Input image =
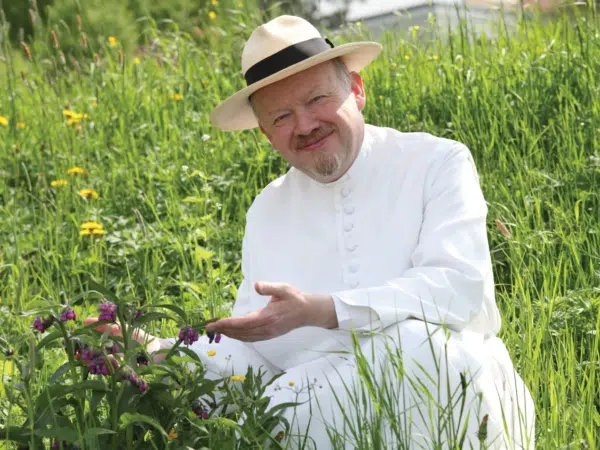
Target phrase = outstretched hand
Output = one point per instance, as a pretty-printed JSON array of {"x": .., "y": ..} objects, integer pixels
[
  {"x": 288, "y": 309},
  {"x": 138, "y": 335}
]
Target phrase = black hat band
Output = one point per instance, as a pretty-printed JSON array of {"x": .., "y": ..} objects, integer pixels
[{"x": 287, "y": 57}]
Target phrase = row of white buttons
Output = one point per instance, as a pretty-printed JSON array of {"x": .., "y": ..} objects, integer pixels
[{"x": 350, "y": 244}]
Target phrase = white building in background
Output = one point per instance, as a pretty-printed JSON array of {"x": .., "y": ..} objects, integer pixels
[{"x": 400, "y": 15}]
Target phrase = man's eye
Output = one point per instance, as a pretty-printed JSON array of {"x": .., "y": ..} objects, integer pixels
[
  {"x": 317, "y": 98},
  {"x": 280, "y": 118}
]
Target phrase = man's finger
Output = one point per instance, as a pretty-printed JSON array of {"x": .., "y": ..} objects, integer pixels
[
  {"x": 267, "y": 288},
  {"x": 247, "y": 322},
  {"x": 115, "y": 330}
]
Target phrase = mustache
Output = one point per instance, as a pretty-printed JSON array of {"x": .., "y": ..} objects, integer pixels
[{"x": 314, "y": 136}]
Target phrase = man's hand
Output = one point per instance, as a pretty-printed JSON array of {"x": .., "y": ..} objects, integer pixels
[
  {"x": 138, "y": 335},
  {"x": 287, "y": 310}
]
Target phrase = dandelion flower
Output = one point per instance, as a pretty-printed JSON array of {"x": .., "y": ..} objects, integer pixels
[
  {"x": 212, "y": 15},
  {"x": 177, "y": 97},
  {"x": 406, "y": 57},
  {"x": 211, "y": 353},
  {"x": 94, "y": 103},
  {"x": 58, "y": 183},
  {"x": 291, "y": 383},
  {"x": 88, "y": 194},
  {"x": 21, "y": 125},
  {"x": 4, "y": 120},
  {"x": 91, "y": 228},
  {"x": 435, "y": 57},
  {"x": 137, "y": 60},
  {"x": 112, "y": 41},
  {"x": 214, "y": 2},
  {"x": 77, "y": 171},
  {"x": 238, "y": 378},
  {"x": 172, "y": 434}
]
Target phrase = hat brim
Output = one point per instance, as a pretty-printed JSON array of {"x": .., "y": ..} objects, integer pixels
[{"x": 235, "y": 113}]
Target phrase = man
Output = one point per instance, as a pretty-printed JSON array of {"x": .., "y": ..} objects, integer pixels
[{"x": 375, "y": 233}]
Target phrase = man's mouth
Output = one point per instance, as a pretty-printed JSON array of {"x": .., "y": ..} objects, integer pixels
[{"x": 313, "y": 145}]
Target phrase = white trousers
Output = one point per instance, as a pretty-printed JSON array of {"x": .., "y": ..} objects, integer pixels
[{"x": 413, "y": 386}]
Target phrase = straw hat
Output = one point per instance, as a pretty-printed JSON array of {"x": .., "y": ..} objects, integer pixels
[{"x": 277, "y": 49}]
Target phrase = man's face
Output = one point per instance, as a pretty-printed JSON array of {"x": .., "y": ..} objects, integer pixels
[{"x": 313, "y": 118}]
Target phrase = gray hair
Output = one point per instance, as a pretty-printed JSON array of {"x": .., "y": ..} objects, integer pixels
[{"x": 341, "y": 70}]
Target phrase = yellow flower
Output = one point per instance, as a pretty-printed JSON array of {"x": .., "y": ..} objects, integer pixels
[
  {"x": 58, "y": 183},
  {"x": 94, "y": 103},
  {"x": 88, "y": 193},
  {"x": 173, "y": 434},
  {"x": 91, "y": 225},
  {"x": 211, "y": 353},
  {"x": 177, "y": 97},
  {"x": 3, "y": 120},
  {"x": 406, "y": 57},
  {"x": 238, "y": 378},
  {"x": 21, "y": 125},
  {"x": 291, "y": 383},
  {"x": 137, "y": 60},
  {"x": 214, "y": 2},
  {"x": 91, "y": 228},
  {"x": 212, "y": 15},
  {"x": 74, "y": 118},
  {"x": 85, "y": 233},
  {"x": 77, "y": 171},
  {"x": 435, "y": 57},
  {"x": 112, "y": 41}
]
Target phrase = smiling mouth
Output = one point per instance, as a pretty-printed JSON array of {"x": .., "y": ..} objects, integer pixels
[{"x": 316, "y": 144}]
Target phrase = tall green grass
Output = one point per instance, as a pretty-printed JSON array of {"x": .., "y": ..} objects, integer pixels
[{"x": 173, "y": 191}]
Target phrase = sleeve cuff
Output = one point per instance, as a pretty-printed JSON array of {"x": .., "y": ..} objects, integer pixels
[{"x": 351, "y": 316}]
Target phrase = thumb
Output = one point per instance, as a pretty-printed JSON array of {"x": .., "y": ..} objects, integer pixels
[
  {"x": 266, "y": 288},
  {"x": 90, "y": 320}
]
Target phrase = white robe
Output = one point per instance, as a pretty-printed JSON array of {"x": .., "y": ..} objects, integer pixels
[{"x": 400, "y": 243}]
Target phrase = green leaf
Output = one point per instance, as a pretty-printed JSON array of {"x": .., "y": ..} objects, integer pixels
[
  {"x": 49, "y": 338},
  {"x": 176, "y": 309},
  {"x": 93, "y": 432},
  {"x": 193, "y": 199},
  {"x": 149, "y": 317},
  {"x": 201, "y": 254},
  {"x": 128, "y": 419},
  {"x": 62, "y": 370},
  {"x": 102, "y": 290},
  {"x": 68, "y": 434}
]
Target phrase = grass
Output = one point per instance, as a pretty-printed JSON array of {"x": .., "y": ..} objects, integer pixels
[{"x": 173, "y": 191}]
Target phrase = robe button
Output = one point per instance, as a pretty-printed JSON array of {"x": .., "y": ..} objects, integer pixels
[
  {"x": 351, "y": 247},
  {"x": 354, "y": 284},
  {"x": 348, "y": 210},
  {"x": 346, "y": 191},
  {"x": 354, "y": 267},
  {"x": 348, "y": 227}
]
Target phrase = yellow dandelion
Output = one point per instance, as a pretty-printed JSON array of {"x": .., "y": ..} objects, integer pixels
[
  {"x": 137, "y": 60},
  {"x": 94, "y": 103},
  {"x": 77, "y": 171},
  {"x": 358, "y": 24},
  {"x": 177, "y": 97},
  {"x": 211, "y": 353},
  {"x": 72, "y": 121},
  {"x": 99, "y": 232},
  {"x": 68, "y": 113},
  {"x": 58, "y": 183},
  {"x": 406, "y": 57},
  {"x": 91, "y": 228},
  {"x": 4, "y": 120},
  {"x": 238, "y": 378},
  {"x": 435, "y": 57},
  {"x": 291, "y": 383},
  {"x": 112, "y": 41},
  {"x": 88, "y": 194},
  {"x": 205, "y": 82},
  {"x": 212, "y": 15},
  {"x": 85, "y": 233},
  {"x": 172, "y": 434},
  {"x": 21, "y": 125},
  {"x": 214, "y": 2},
  {"x": 91, "y": 225}
]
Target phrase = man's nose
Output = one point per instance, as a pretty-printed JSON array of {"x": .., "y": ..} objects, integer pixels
[{"x": 306, "y": 123}]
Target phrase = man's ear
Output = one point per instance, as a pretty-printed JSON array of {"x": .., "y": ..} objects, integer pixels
[{"x": 356, "y": 85}]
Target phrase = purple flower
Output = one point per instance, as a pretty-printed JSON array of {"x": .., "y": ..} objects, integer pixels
[
  {"x": 87, "y": 354},
  {"x": 188, "y": 335},
  {"x": 111, "y": 349},
  {"x": 138, "y": 314},
  {"x": 132, "y": 377},
  {"x": 212, "y": 336},
  {"x": 99, "y": 365},
  {"x": 199, "y": 410},
  {"x": 108, "y": 312},
  {"x": 42, "y": 324},
  {"x": 68, "y": 314}
]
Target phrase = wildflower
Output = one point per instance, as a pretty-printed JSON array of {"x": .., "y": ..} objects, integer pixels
[
  {"x": 137, "y": 60},
  {"x": 112, "y": 349},
  {"x": 74, "y": 118},
  {"x": 4, "y": 120},
  {"x": 199, "y": 410},
  {"x": 406, "y": 57},
  {"x": 212, "y": 15},
  {"x": 188, "y": 335},
  {"x": 94, "y": 103},
  {"x": 238, "y": 377},
  {"x": 214, "y": 2},
  {"x": 88, "y": 194},
  {"x": 87, "y": 354},
  {"x": 205, "y": 137},
  {"x": 68, "y": 314},
  {"x": 112, "y": 41},
  {"x": 211, "y": 353},
  {"x": 212, "y": 336},
  {"x": 42, "y": 324},
  {"x": 58, "y": 183},
  {"x": 172, "y": 434},
  {"x": 21, "y": 125},
  {"x": 99, "y": 366},
  {"x": 291, "y": 383},
  {"x": 133, "y": 379},
  {"x": 91, "y": 229},
  {"x": 108, "y": 312},
  {"x": 77, "y": 171},
  {"x": 177, "y": 97}
]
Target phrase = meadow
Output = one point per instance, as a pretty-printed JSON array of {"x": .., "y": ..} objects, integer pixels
[{"x": 114, "y": 185}]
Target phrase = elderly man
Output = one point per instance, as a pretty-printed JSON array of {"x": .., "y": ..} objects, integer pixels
[{"x": 366, "y": 264}]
